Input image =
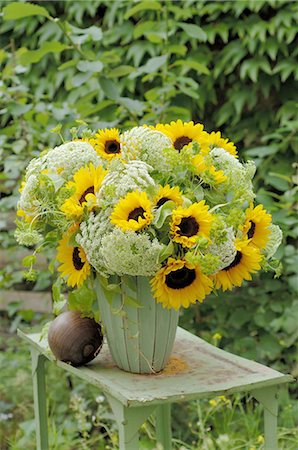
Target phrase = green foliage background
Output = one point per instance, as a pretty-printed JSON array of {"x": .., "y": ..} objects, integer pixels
[{"x": 230, "y": 65}]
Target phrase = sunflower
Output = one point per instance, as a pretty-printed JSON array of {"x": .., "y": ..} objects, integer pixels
[
  {"x": 166, "y": 193},
  {"x": 133, "y": 212},
  {"x": 181, "y": 133},
  {"x": 189, "y": 223},
  {"x": 180, "y": 283},
  {"x": 247, "y": 261},
  {"x": 87, "y": 182},
  {"x": 256, "y": 226},
  {"x": 201, "y": 167},
  {"x": 208, "y": 141},
  {"x": 107, "y": 143},
  {"x": 74, "y": 265}
]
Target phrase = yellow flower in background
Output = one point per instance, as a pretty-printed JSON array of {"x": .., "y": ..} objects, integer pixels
[
  {"x": 166, "y": 193},
  {"x": 107, "y": 143},
  {"x": 74, "y": 265},
  {"x": 181, "y": 133},
  {"x": 26, "y": 217},
  {"x": 212, "y": 140},
  {"x": 86, "y": 184},
  {"x": 246, "y": 262},
  {"x": 133, "y": 212},
  {"x": 180, "y": 283},
  {"x": 256, "y": 226},
  {"x": 189, "y": 223},
  {"x": 201, "y": 168}
]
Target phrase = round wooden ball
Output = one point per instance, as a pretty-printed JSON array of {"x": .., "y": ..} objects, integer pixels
[{"x": 75, "y": 339}]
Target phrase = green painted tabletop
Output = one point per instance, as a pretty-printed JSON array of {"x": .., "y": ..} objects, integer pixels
[{"x": 196, "y": 369}]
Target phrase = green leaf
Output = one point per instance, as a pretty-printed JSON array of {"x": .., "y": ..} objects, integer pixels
[
  {"x": 90, "y": 66},
  {"x": 134, "y": 106},
  {"x": 81, "y": 299},
  {"x": 17, "y": 10},
  {"x": 166, "y": 252},
  {"x": 143, "y": 27},
  {"x": 33, "y": 56},
  {"x": 200, "y": 68},
  {"x": 28, "y": 261},
  {"x": 131, "y": 301},
  {"x": 153, "y": 64},
  {"x": 193, "y": 31},
  {"x": 121, "y": 71},
  {"x": 163, "y": 212},
  {"x": 110, "y": 88},
  {"x": 80, "y": 79},
  {"x": 262, "y": 151},
  {"x": 142, "y": 6}
]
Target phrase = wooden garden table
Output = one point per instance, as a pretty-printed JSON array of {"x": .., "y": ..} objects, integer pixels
[{"x": 196, "y": 370}]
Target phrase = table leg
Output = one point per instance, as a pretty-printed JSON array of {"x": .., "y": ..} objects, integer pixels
[
  {"x": 163, "y": 425},
  {"x": 269, "y": 399},
  {"x": 39, "y": 394},
  {"x": 129, "y": 421}
]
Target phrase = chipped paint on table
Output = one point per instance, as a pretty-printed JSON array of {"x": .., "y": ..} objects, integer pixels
[{"x": 196, "y": 369}]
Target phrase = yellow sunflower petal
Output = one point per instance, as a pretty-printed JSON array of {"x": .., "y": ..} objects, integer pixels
[
  {"x": 181, "y": 133},
  {"x": 107, "y": 143},
  {"x": 86, "y": 182},
  {"x": 74, "y": 265},
  {"x": 133, "y": 212},
  {"x": 256, "y": 226},
  {"x": 246, "y": 262},
  {"x": 188, "y": 224},
  {"x": 180, "y": 283},
  {"x": 166, "y": 193}
]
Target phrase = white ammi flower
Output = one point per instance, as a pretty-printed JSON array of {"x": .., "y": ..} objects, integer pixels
[
  {"x": 66, "y": 159},
  {"x": 147, "y": 145},
  {"x": 130, "y": 253}
]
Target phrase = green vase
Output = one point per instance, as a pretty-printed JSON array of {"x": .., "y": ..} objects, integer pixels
[{"x": 140, "y": 338}]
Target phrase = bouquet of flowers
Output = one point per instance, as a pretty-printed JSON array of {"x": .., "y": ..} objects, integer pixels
[{"x": 169, "y": 202}]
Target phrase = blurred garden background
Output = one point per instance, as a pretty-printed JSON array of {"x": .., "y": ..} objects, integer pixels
[{"x": 231, "y": 65}]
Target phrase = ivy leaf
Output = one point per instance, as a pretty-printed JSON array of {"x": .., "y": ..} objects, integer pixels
[
  {"x": 17, "y": 10},
  {"x": 166, "y": 252},
  {"x": 134, "y": 106},
  {"x": 81, "y": 299},
  {"x": 131, "y": 301},
  {"x": 29, "y": 261},
  {"x": 34, "y": 56},
  {"x": 142, "y": 6},
  {"x": 162, "y": 213},
  {"x": 193, "y": 31},
  {"x": 110, "y": 88},
  {"x": 90, "y": 66},
  {"x": 153, "y": 64}
]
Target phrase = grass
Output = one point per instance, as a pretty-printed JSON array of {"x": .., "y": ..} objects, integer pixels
[{"x": 80, "y": 418}]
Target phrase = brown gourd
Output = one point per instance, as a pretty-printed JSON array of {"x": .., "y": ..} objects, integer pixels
[{"x": 75, "y": 339}]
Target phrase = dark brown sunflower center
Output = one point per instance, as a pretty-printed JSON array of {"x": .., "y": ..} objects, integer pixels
[
  {"x": 136, "y": 213},
  {"x": 181, "y": 142},
  {"x": 251, "y": 231},
  {"x": 112, "y": 147},
  {"x": 235, "y": 262},
  {"x": 90, "y": 190},
  {"x": 188, "y": 227},
  {"x": 77, "y": 262},
  {"x": 162, "y": 201},
  {"x": 181, "y": 278}
]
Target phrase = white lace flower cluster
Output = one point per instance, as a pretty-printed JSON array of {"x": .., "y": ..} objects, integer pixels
[
  {"x": 66, "y": 159},
  {"x": 129, "y": 253},
  {"x": 124, "y": 178},
  {"x": 90, "y": 238},
  {"x": 147, "y": 145},
  {"x": 239, "y": 175},
  {"x": 225, "y": 250}
]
